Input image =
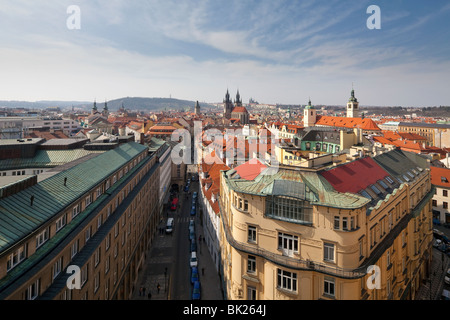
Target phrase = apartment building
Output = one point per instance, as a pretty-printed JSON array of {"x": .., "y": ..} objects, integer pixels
[
  {"x": 19, "y": 127},
  {"x": 82, "y": 233},
  {"x": 296, "y": 233},
  {"x": 440, "y": 178}
]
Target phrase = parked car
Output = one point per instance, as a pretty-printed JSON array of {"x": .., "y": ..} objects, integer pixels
[
  {"x": 193, "y": 211},
  {"x": 191, "y": 234},
  {"x": 194, "y": 275},
  {"x": 193, "y": 245},
  {"x": 196, "y": 291},
  {"x": 174, "y": 204},
  {"x": 194, "y": 196},
  {"x": 193, "y": 261},
  {"x": 191, "y": 225}
]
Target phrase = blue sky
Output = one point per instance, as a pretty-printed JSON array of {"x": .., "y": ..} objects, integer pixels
[{"x": 273, "y": 51}]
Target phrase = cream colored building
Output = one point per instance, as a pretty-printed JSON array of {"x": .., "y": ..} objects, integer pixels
[
  {"x": 96, "y": 219},
  {"x": 306, "y": 234}
]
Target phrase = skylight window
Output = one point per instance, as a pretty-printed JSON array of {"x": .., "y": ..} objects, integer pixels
[
  {"x": 405, "y": 177},
  {"x": 410, "y": 174},
  {"x": 375, "y": 189},
  {"x": 365, "y": 194},
  {"x": 389, "y": 180},
  {"x": 384, "y": 185}
]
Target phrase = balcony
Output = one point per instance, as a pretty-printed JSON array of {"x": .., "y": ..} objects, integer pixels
[{"x": 286, "y": 261}]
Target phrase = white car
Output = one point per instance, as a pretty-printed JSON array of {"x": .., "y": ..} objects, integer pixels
[
  {"x": 447, "y": 277},
  {"x": 193, "y": 260}
]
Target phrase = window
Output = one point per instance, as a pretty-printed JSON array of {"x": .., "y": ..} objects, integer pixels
[
  {"x": 61, "y": 222},
  {"x": 287, "y": 243},
  {"x": 336, "y": 222},
  {"x": 41, "y": 238},
  {"x": 88, "y": 200},
  {"x": 251, "y": 234},
  {"x": 251, "y": 293},
  {"x": 97, "y": 257},
  {"x": 74, "y": 249},
  {"x": 15, "y": 258},
  {"x": 84, "y": 274},
  {"x": 245, "y": 205},
  {"x": 76, "y": 210},
  {"x": 32, "y": 291},
  {"x": 57, "y": 267},
  {"x": 434, "y": 203},
  {"x": 328, "y": 251},
  {"x": 88, "y": 233},
  {"x": 251, "y": 264},
  {"x": 389, "y": 179},
  {"x": 328, "y": 287},
  {"x": 445, "y": 205},
  {"x": 286, "y": 280},
  {"x": 345, "y": 223}
]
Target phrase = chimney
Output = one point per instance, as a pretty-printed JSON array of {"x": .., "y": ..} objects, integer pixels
[
  {"x": 65, "y": 181},
  {"x": 31, "y": 200}
]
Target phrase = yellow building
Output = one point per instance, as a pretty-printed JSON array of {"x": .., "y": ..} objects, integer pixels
[
  {"x": 307, "y": 234},
  {"x": 82, "y": 233}
]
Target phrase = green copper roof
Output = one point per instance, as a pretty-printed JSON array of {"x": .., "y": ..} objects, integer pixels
[
  {"x": 45, "y": 159},
  {"x": 306, "y": 185},
  {"x": 18, "y": 218}
]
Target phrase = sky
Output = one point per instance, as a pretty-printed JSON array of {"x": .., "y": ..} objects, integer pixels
[{"x": 283, "y": 51}]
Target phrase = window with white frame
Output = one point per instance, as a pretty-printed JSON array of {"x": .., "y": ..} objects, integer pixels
[
  {"x": 251, "y": 293},
  {"x": 88, "y": 233},
  {"x": 16, "y": 257},
  {"x": 251, "y": 264},
  {"x": 76, "y": 210},
  {"x": 286, "y": 280},
  {"x": 287, "y": 243},
  {"x": 97, "y": 257},
  {"x": 57, "y": 267},
  {"x": 88, "y": 200},
  {"x": 329, "y": 286},
  {"x": 84, "y": 274},
  {"x": 328, "y": 251},
  {"x": 32, "y": 292},
  {"x": 74, "y": 249},
  {"x": 251, "y": 234},
  {"x": 41, "y": 238},
  {"x": 61, "y": 222}
]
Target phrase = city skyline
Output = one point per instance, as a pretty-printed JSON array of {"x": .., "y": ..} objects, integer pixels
[{"x": 273, "y": 52}]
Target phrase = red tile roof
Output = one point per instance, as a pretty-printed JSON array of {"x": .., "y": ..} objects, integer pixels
[
  {"x": 364, "y": 124},
  {"x": 354, "y": 176},
  {"x": 440, "y": 177},
  {"x": 240, "y": 110},
  {"x": 251, "y": 169}
]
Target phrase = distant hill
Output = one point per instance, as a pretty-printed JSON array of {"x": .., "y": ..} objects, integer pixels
[
  {"x": 151, "y": 104},
  {"x": 129, "y": 103}
]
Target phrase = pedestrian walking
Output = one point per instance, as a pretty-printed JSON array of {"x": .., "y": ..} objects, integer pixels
[
  {"x": 158, "y": 287},
  {"x": 140, "y": 291},
  {"x": 149, "y": 295},
  {"x": 143, "y": 292}
]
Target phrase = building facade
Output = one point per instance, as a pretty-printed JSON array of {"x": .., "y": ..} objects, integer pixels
[
  {"x": 82, "y": 233},
  {"x": 305, "y": 234}
]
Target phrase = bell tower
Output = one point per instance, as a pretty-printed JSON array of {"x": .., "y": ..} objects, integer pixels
[
  {"x": 353, "y": 106},
  {"x": 309, "y": 115}
]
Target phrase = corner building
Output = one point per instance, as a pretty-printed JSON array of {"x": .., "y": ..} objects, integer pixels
[
  {"x": 308, "y": 234},
  {"x": 98, "y": 216}
]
